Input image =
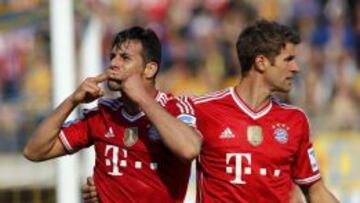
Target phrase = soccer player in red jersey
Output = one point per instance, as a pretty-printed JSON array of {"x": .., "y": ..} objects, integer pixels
[
  {"x": 254, "y": 148},
  {"x": 132, "y": 162}
]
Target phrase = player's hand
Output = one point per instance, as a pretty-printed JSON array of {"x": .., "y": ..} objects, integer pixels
[
  {"x": 88, "y": 191},
  {"x": 89, "y": 90},
  {"x": 131, "y": 84}
]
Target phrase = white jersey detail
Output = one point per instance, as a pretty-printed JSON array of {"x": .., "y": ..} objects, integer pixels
[
  {"x": 249, "y": 112},
  {"x": 65, "y": 142},
  {"x": 114, "y": 104},
  {"x": 130, "y": 117},
  {"x": 184, "y": 105},
  {"x": 210, "y": 97},
  {"x": 308, "y": 180},
  {"x": 291, "y": 107},
  {"x": 162, "y": 98}
]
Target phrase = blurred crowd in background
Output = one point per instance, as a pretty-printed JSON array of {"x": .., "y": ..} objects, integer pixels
[{"x": 198, "y": 38}]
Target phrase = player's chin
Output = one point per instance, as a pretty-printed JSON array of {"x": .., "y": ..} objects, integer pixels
[
  {"x": 287, "y": 86},
  {"x": 284, "y": 88},
  {"x": 114, "y": 85}
]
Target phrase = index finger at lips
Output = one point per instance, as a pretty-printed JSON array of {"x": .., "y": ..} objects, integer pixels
[
  {"x": 101, "y": 77},
  {"x": 111, "y": 74}
]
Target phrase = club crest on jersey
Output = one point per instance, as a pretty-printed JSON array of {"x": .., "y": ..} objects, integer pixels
[
  {"x": 254, "y": 135},
  {"x": 131, "y": 136},
  {"x": 281, "y": 134},
  {"x": 154, "y": 134}
]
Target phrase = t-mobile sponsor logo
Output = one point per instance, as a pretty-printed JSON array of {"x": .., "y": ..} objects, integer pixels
[
  {"x": 242, "y": 167},
  {"x": 239, "y": 158},
  {"x": 117, "y": 158}
]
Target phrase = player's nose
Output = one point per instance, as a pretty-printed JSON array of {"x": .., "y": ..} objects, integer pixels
[{"x": 294, "y": 67}]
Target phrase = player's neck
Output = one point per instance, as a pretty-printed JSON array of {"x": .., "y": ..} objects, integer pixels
[
  {"x": 131, "y": 107},
  {"x": 253, "y": 91}
]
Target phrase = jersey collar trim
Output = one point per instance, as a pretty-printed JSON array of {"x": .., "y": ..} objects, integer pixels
[
  {"x": 245, "y": 108},
  {"x": 133, "y": 118}
]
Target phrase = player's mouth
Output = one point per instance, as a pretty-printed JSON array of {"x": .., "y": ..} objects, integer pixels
[
  {"x": 115, "y": 81},
  {"x": 290, "y": 78}
]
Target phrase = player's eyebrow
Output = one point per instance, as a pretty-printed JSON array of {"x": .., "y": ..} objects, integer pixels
[{"x": 122, "y": 53}]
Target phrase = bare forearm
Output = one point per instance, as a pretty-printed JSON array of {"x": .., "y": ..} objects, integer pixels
[
  {"x": 44, "y": 143},
  {"x": 318, "y": 193},
  {"x": 44, "y": 138},
  {"x": 182, "y": 139},
  {"x": 325, "y": 196}
]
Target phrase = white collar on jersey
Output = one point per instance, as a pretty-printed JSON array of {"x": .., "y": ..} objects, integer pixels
[
  {"x": 133, "y": 118},
  {"x": 245, "y": 108}
]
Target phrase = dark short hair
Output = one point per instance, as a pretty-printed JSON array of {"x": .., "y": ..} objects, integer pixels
[
  {"x": 263, "y": 38},
  {"x": 148, "y": 39}
]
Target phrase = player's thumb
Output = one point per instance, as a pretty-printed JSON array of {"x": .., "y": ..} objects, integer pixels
[{"x": 90, "y": 181}]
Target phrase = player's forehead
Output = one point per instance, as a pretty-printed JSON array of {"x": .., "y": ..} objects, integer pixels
[
  {"x": 288, "y": 50},
  {"x": 129, "y": 46}
]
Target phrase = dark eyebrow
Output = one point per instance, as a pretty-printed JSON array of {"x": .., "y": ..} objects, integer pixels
[{"x": 124, "y": 55}]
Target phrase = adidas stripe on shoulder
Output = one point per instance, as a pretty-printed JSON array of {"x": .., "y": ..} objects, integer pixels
[
  {"x": 163, "y": 98},
  {"x": 184, "y": 105}
]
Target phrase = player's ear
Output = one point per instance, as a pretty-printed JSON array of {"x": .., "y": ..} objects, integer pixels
[
  {"x": 261, "y": 62},
  {"x": 151, "y": 69}
]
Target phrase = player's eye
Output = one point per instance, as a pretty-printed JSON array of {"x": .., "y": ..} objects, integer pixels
[
  {"x": 289, "y": 58},
  {"x": 125, "y": 56}
]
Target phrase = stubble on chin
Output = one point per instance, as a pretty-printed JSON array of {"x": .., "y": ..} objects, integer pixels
[
  {"x": 285, "y": 89},
  {"x": 282, "y": 89},
  {"x": 114, "y": 85}
]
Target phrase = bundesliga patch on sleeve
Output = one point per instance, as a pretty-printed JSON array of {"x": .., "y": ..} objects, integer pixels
[
  {"x": 313, "y": 162},
  {"x": 188, "y": 119}
]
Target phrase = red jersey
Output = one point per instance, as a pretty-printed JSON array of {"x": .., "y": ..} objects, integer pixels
[
  {"x": 251, "y": 156},
  {"x": 132, "y": 163}
]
